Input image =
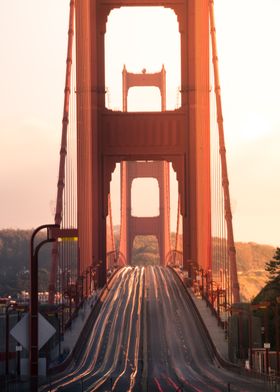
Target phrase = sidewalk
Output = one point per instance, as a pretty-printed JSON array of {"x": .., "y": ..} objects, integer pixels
[
  {"x": 72, "y": 333},
  {"x": 216, "y": 332}
]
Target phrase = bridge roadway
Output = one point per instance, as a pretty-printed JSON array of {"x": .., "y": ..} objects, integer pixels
[{"x": 147, "y": 337}]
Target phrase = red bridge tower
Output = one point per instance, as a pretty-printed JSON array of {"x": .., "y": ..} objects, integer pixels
[
  {"x": 180, "y": 137},
  {"x": 131, "y": 226}
]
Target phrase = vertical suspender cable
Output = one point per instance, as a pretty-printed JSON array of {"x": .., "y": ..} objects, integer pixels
[
  {"x": 228, "y": 214},
  {"x": 63, "y": 150}
]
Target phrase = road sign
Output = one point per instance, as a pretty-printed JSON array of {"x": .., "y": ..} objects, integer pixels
[
  {"x": 266, "y": 345},
  {"x": 21, "y": 331}
]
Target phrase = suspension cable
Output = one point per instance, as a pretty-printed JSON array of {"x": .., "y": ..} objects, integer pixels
[
  {"x": 225, "y": 182},
  {"x": 63, "y": 150}
]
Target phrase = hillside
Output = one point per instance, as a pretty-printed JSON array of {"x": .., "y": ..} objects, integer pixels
[
  {"x": 14, "y": 262},
  {"x": 251, "y": 259}
]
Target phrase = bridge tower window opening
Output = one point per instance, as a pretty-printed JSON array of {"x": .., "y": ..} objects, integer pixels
[
  {"x": 142, "y": 39},
  {"x": 145, "y": 197},
  {"x": 144, "y": 99}
]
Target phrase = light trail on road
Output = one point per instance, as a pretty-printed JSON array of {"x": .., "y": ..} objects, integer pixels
[{"x": 148, "y": 337}]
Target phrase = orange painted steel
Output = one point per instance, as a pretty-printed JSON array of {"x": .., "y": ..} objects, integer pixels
[
  {"x": 225, "y": 182},
  {"x": 157, "y": 79},
  {"x": 87, "y": 157},
  {"x": 181, "y": 137},
  {"x": 131, "y": 226}
]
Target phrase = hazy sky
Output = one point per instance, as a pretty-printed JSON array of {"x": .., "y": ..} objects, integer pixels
[{"x": 33, "y": 36}]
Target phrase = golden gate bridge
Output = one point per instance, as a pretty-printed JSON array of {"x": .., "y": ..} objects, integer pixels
[
  {"x": 141, "y": 142},
  {"x": 124, "y": 348}
]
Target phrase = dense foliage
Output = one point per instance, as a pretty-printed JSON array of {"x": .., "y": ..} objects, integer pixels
[
  {"x": 273, "y": 266},
  {"x": 14, "y": 262},
  {"x": 145, "y": 250},
  {"x": 271, "y": 290},
  {"x": 269, "y": 299}
]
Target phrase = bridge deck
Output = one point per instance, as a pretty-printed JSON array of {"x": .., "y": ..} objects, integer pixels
[{"x": 148, "y": 337}]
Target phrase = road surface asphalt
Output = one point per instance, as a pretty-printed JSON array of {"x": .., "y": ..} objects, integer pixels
[{"x": 147, "y": 337}]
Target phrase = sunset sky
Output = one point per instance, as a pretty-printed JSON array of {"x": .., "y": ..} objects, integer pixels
[{"x": 33, "y": 39}]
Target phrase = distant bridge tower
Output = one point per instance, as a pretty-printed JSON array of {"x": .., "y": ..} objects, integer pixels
[
  {"x": 131, "y": 226},
  {"x": 157, "y": 79},
  {"x": 181, "y": 137}
]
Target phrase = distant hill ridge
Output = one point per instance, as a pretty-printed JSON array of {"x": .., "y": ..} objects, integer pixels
[
  {"x": 14, "y": 260},
  {"x": 251, "y": 258}
]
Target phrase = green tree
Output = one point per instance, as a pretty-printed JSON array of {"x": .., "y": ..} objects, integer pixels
[{"x": 272, "y": 267}]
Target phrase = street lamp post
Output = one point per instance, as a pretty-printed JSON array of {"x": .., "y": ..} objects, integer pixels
[
  {"x": 33, "y": 326},
  {"x": 53, "y": 234}
]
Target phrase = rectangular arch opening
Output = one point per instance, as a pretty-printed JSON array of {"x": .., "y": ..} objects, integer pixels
[
  {"x": 142, "y": 38},
  {"x": 145, "y": 197}
]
